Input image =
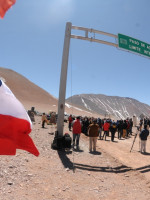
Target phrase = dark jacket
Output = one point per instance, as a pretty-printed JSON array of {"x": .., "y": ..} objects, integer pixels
[
  {"x": 113, "y": 128},
  {"x": 144, "y": 134},
  {"x": 120, "y": 125},
  {"x": 124, "y": 125}
]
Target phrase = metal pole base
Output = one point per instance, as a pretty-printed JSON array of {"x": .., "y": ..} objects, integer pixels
[
  {"x": 57, "y": 143},
  {"x": 61, "y": 142}
]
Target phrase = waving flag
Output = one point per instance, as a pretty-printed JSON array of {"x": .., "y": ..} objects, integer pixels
[
  {"x": 15, "y": 124},
  {"x": 5, "y": 5}
]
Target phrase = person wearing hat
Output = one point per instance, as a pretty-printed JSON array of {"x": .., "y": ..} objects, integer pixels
[{"x": 93, "y": 132}]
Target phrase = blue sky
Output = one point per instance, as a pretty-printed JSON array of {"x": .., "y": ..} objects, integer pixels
[{"x": 32, "y": 37}]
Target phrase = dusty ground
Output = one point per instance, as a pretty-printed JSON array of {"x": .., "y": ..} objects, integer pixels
[{"x": 112, "y": 173}]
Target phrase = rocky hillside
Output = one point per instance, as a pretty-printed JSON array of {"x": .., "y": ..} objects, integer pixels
[
  {"x": 31, "y": 95},
  {"x": 26, "y": 91},
  {"x": 120, "y": 107}
]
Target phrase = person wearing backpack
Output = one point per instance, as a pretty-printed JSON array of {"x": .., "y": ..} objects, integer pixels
[{"x": 113, "y": 129}]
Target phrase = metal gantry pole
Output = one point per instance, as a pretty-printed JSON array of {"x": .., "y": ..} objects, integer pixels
[{"x": 63, "y": 80}]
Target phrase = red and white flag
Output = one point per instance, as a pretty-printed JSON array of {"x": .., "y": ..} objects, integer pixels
[
  {"x": 15, "y": 124},
  {"x": 5, "y": 5}
]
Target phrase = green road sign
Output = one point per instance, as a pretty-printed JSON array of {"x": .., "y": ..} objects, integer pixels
[{"x": 134, "y": 45}]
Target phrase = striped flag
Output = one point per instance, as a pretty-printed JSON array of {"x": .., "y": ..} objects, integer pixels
[
  {"x": 15, "y": 124},
  {"x": 5, "y": 5}
]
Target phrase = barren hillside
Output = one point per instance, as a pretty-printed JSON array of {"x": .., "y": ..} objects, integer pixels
[
  {"x": 32, "y": 95},
  {"x": 27, "y": 92},
  {"x": 119, "y": 107}
]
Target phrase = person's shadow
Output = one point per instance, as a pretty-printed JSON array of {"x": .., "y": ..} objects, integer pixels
[{"x": 72, "y": 166}]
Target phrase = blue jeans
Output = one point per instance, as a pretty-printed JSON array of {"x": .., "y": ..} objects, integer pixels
[{"x": 76, "y": 138}]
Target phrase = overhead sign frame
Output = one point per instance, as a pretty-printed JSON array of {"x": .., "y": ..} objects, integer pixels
[{"x": 124, "y": 42}]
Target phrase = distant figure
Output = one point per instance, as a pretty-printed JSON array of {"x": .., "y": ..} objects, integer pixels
[
  {"x": 76, "y": 130},
  {"x": 99, "y": 122},
  {"x": 31, "y": 115},
  {"x": 93, "y": 131},
  {"x": 113, "y": 129},
  {"x": 120, "y": 129},
  {"x": 44, "y": 119},
  {"x": 70, "y": 122},
  {"x": 143, "y": 136},
  {"x": 106, "y": 129},
  {"x": 53, "y": 118},
  {"x": 131, "y": 126},
  {"x": 128, "y": 127},
  {"x": 134, "y": 121},
  {"x": 141, "y": 124},
  {"x": 85, "y": 124},
  {"x": 124, "y": 126}
]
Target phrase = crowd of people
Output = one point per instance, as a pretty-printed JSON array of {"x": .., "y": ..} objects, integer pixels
[{"x": 97, "y": 128}]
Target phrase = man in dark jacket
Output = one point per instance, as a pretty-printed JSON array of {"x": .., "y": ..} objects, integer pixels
[
  {"x": 124, "y": 129},
  {"x": 120, "y": 129},
  {"x": 113, "y": 129},
  {"x": 143, "y": 136}
]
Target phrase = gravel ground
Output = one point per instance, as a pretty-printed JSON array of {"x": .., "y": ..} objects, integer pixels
[{"x": 111, "y": 173}]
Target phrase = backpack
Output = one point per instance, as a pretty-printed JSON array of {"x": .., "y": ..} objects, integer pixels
[{"x": 114, "y": 126}]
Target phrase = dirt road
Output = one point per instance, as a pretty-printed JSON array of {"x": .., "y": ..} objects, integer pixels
[{"x": 112, "y": 173}]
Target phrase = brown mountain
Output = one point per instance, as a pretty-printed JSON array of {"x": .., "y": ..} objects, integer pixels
[
  {"x": 27, "y": 92},
  {"x": 32, "y": 95}
]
